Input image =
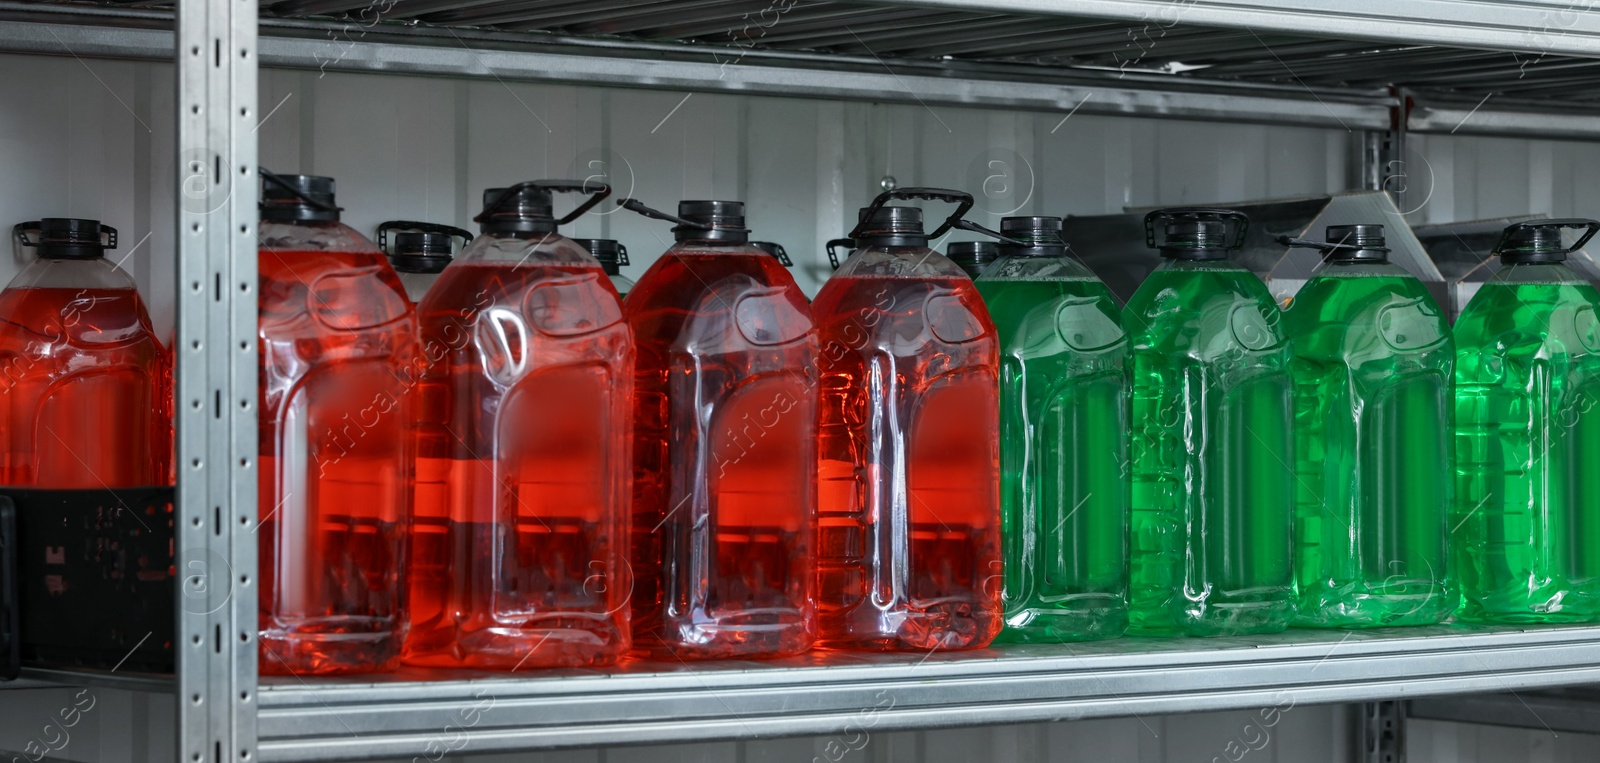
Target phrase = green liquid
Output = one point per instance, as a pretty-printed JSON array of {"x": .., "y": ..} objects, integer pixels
[
  {"x": 1372, "y": 367},
  {"x": 1064, "y": 488},
  {"x": 1525, "y": 530},
  {"x": 1213, "y": 489}
]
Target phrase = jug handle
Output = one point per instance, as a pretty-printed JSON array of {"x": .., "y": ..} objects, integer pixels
[
  {"x": 961, "y": 199},
  {"x": 833, "y": 258},
  {"x": 1590, "y": 227}
]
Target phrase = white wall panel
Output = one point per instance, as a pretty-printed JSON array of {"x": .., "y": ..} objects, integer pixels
[{"x": 1476, "y": 177}]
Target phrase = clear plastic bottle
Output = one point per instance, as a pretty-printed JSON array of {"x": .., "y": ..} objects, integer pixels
[
  {"x": 337, "y": 336},
  {"x": 1213, "y": 495},
  {"x": 1372, "y": 370},
  {"x": 1525, "y": 530},
  {"x": 972, "y": 256},
  {"x": 1064, "y": 484},
  {"x": 85, "y": 386},
  {"x": 612, "y": 255},
  {"x": 421, "y": 251},
  {"x": 725, "y": 446},
  {"x": 520, "y": 540},
  {"x": 909, "y": 481}
]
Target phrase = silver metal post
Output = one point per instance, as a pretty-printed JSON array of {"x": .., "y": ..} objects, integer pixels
[
  {"x": 216, "y": 380},
  {"x": 1383, "y": 731}
]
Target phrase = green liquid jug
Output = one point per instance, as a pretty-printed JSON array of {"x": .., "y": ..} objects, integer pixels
[
  {"x": 1063, "y": 439},
  {"x": 1525, "y": 530},
  {"x": 1213, "y": 489},
  {"x": 1372, "y": 371}
]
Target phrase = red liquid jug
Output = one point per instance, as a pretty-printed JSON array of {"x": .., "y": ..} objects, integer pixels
[
  {"x": 909, "y": 482},
  {"x": 519, "y": 543},
  {"x": 337, "y": 336},
  {"x": 724, "y": 445},
  {"x": 85, "y": 391}
]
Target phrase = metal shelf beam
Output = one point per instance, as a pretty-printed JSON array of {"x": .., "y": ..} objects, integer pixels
[
  {"x": 519, "y": 57},
  {"x": 1556, "y": 27},
  {"x": 402, "y": 715}
]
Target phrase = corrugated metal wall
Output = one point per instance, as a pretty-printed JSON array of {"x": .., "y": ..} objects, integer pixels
[{"x": 91, "y": 139}]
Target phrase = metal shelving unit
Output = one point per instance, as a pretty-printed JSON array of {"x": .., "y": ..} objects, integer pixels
[{"x": 1382, "y": 67}]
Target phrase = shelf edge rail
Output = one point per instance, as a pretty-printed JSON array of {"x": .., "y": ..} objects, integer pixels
[{"x": 387, "y": 717}]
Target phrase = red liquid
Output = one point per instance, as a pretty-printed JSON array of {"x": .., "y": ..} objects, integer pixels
[
  {"x": 519, "y": 540},
  {"x": 909, "y": 545},
  {"x": 83, "y": 389},
  {"x": 335, "y": 461},
  {"x": 724, "y": 458}
]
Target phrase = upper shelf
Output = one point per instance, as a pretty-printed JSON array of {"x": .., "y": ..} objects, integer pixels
[
  {"x": 402, "y": 715},
  {"x": 1442, "y": 49},
  {"x": 1516, "y": 66}
]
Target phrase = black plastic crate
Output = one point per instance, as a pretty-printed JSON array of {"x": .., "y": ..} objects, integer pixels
[{"x": 93, "y": 579}]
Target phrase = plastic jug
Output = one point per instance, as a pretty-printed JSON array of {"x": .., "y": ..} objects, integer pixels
[
  {"x": 337, "y": 336},
  {"x": 420, "y": 252},
  {"x": 1213, "y": 495},
  {"x": 1064, "y": 483},
  {"x": 1373, "y": 363},
  {"x": 725, "y": 445},
  {"x": 909, "y": 482},
  {"x": 612, "y": 256},
  {"x": 518, "y": 556},
  {"x": 1525, "y": 529},
  {"x": 85, "y": 386}
]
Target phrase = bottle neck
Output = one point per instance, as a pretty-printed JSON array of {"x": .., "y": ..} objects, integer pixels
[{"x": 1536, "y": 272}]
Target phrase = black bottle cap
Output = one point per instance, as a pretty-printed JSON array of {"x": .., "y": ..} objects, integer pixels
[
  {"x": 419, "y": 247},
  {"x": 416, "y": 252},
  {"x": 525, "y": 207},
  {"x": 972, "y": 256},
  {"x": 890, "y": 226},
  {"x": 1540, "y": 240},
  {"x": 611, "y": 254},
  {"x": 68, "y": 238},
  {"x": 522, "y": 209},
  {"x": 720, "y": 221},
  {"x": 1041, "y": 234},
  {"x": 1195, "y": 233},
  {"x": 297, "y": 198},
  {"x": 1353, "y": 243}
]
